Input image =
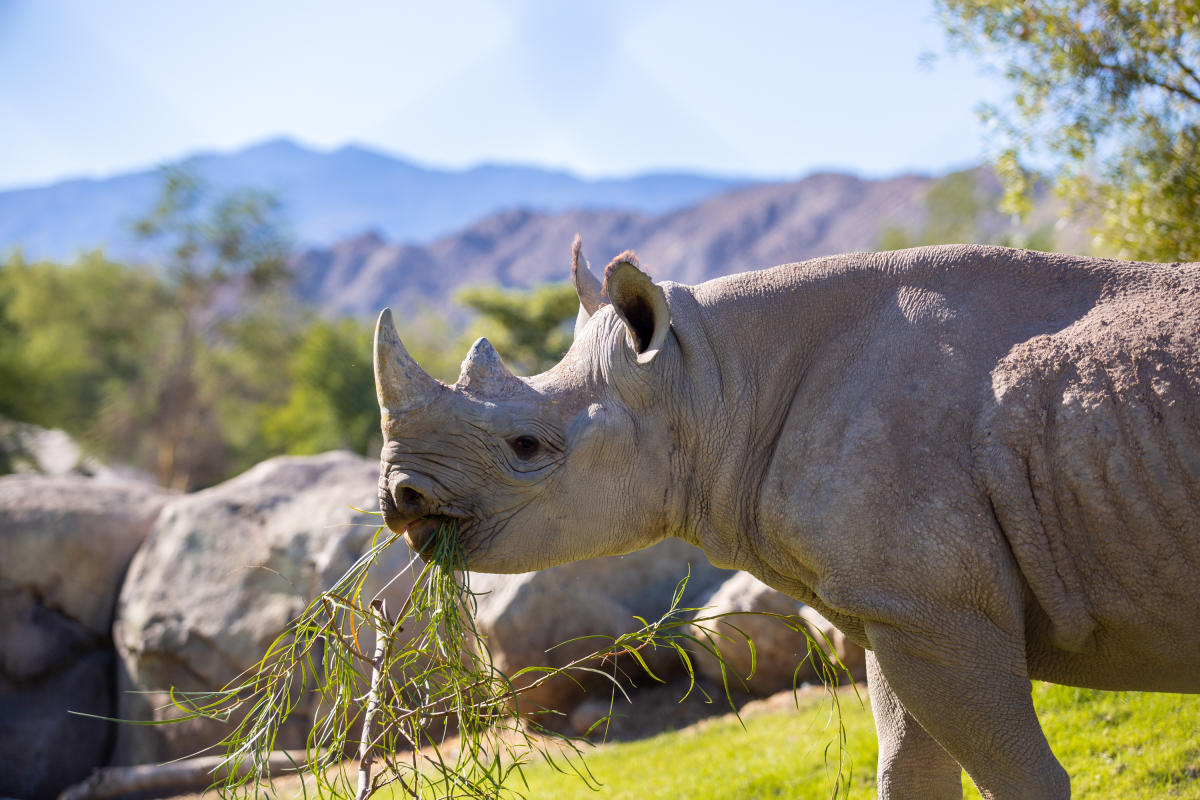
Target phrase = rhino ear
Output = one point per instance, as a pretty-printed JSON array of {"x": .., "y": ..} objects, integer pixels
[
  {"x": 640, "y": 303},
  {"x": 587, "y": 287}
]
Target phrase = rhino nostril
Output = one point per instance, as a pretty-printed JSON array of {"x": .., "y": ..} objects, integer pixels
[{"x": 410, "y": 498}]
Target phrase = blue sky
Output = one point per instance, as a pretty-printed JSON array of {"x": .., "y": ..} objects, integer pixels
[{"x": 771, "y": 89}]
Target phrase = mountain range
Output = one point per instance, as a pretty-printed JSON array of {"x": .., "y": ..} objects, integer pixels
[
  {"x": 753, "y": 227},
  {"x": 373, "y": 230},
  {"x": 742, "y": 229},
  {"x": 329, "y": 196}
]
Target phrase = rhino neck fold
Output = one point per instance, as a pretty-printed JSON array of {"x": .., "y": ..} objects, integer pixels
[{"x": 749, "y": 348}]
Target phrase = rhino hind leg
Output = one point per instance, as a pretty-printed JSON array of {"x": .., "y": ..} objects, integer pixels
[{"x": 974, "y": 699}]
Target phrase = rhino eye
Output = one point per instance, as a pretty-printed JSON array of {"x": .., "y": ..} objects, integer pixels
[{"x": 526, "y": 447}]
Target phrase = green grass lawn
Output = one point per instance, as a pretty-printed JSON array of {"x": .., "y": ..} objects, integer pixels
[
  {"x": 1113, "y": 744},
  {"x": 1122, "y": 744},
  {"x": 777, "y": 754}
]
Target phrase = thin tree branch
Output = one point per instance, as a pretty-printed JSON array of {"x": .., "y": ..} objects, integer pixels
[
  {"x": 1150, "y": 80},
  {"x": 1179, "y": 62},
  {"x": 366, "y": 753}
]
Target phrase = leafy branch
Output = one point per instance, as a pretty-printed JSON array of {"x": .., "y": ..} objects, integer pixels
[{"x": 430, "y": 674}]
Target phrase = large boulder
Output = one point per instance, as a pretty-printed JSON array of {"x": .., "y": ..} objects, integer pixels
[
  {"x": 33, "y": 450},
  {"x": 778, "y": 649},
  {"x": 223, "y": 573},
  {"x": 526, "y": 617},
  {"x": 65, "y": 545}
]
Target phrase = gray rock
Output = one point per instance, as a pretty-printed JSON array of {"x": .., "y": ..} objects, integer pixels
[
  {"x": 525, "y": 616},
  {"x": 223, "y": 573},
  {"x": 68, "y": 540},
  {"x": 53, "y": 747},
  {"x": 587, "y": 715},
  {"x": 33, "y": 450},
  {"x": 778, "y": 649},
  {"x": 65, "y": 544}
]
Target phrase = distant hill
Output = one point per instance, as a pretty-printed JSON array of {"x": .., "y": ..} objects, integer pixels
[
  {"x": 749, "y": 228},
  {"x": 329, "y": 196}
]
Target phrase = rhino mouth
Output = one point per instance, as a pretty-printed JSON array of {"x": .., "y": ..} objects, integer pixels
[
  {"x": 414, "y": 507},
  {"x": 417, "y": 528},
  {"x": 421, "y": 531}
]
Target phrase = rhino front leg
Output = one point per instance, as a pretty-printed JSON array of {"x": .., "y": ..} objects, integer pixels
[
  {"x": 969, "y": 690},
  {"x": 911, "y": 762}
]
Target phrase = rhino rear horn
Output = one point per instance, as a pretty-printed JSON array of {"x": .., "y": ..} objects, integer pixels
[
  {"x": 485, "y": 373},
  {"x": 400, "y": 383}
]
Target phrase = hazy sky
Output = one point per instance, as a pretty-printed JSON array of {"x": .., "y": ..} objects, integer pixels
[{"x": 774, "y": 89}]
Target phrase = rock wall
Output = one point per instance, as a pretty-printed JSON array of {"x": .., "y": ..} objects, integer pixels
[{"x": 65, "y": 544}]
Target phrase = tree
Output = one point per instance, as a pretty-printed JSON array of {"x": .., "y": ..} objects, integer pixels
[
  {"x": 74, "y": 344},
  {"x": 531, "y": 329},
  {"x": 204, "y": 364},
  {"x": 215, "y": 256},
  {"x": 1107, "y": 92},
  {"x": 332, "y": 402}
]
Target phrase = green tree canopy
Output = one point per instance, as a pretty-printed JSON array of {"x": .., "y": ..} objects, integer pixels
[
  {"x": 957, "y": 209},
  {"x": 144, "y": 364},
  {"x": 203, "y": 365},
  {"x": 74, "y": 342},
  {"x": 331, "y": 403},
  {"x": 1108, "y": 92}
]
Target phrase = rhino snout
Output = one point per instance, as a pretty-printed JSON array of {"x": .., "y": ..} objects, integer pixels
[{"x": 404, "y": 498}]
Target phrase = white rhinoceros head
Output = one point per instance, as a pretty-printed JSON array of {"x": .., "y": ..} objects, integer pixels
[{"x": 572, "y": 463}]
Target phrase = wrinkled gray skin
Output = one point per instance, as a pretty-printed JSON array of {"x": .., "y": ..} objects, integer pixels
[{"x": 982, "y": 464}]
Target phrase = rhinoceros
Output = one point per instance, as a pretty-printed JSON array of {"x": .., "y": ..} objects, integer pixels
[{"x": 981, "y": 464}]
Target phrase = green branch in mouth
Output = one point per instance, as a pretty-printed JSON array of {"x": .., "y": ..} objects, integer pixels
[{"x": 394, "y": 689}]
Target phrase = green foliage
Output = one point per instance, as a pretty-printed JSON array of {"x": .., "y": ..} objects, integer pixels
[
  {"x": 129, "y": 362},
  {"x": 1108, "y": 92},
  {"x": 94, "y": 348},
  {"x": 530, "y": 329},
  {"x": 205, "y": 244},
  {"x": 217, "y": 258},
  {"x": 954, "y": 206},
  {"x": 75, "y": 342},
  {"x": 331, "y": 403},
  {"x": 203, "y": 364}
]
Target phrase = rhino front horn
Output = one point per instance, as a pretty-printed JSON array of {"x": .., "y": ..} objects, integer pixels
[{"x": 400, "y": 383}]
